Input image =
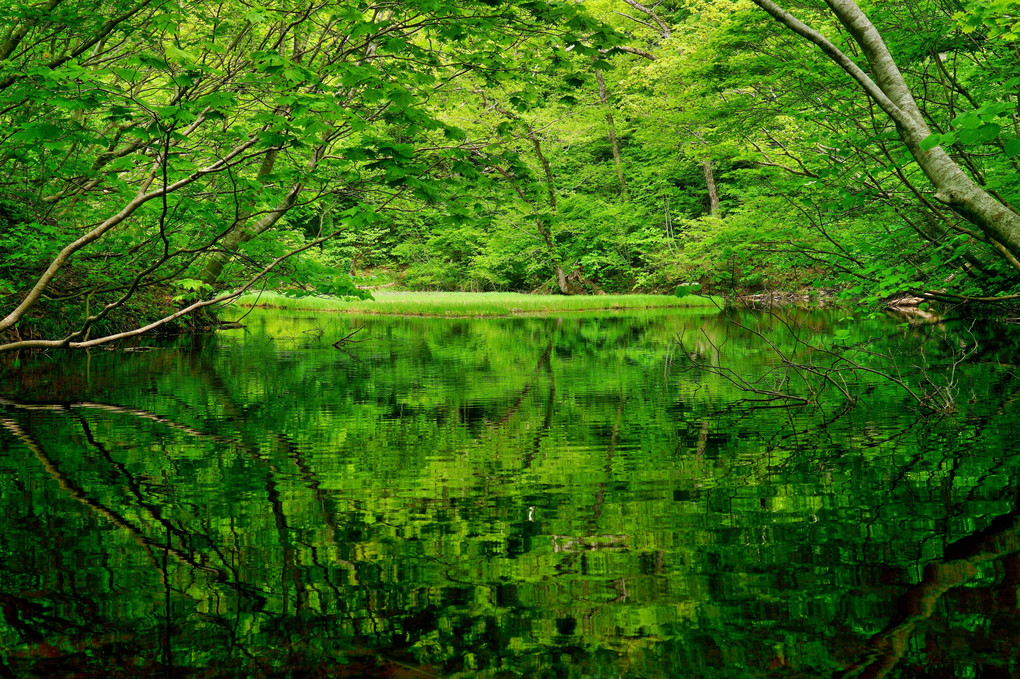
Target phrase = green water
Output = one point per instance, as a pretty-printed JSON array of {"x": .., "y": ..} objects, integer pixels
[{"x": 510, "y": 498}]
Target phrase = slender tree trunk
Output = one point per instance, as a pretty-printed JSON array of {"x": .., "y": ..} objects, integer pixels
[
  {"x": 544, "y": 229},
  {"x": 954, "y": 187},
  {"x": 243, "y": 230},
  {"x": 614, "y": 141},
  {"x": 713, "y": 191},
  {"x": 216, "y": 261},
  {"x": 143, "y": 196}
]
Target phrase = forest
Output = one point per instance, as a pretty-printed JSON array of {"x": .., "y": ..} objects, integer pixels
[
  {"x": 161, "y": 157},
  {"x": 489, "y": 339}
]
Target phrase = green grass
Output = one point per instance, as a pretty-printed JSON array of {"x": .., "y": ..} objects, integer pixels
[{"x": 471, "y": 303}]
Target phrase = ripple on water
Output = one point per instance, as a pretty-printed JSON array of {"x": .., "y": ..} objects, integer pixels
[{"x": 550, "y": 498}]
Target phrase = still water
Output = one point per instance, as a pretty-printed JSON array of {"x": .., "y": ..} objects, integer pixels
[{"x": 527, "y": 497}]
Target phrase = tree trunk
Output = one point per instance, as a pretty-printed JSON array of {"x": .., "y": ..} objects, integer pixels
[
  {"x": 713, "y": 191},
  {"x": 241, "y": 234},
  {"x": 16, "y": 35},
  {"x": 561, "y": 280},
  {"x": 545, "y": 229},
  {"x": 614, "y": 142},
  {"x": 954, "y": 187},
  {"x": 105, "y": 226}
]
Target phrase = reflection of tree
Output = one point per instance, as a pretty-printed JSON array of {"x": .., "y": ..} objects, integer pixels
[
  {"x": 516, "y": 492},
  {"x": 157, "y": 542},
  {"x": 78, "y": 493},
  {"x": 884, "y": 650},
  {"x": 291, "y": 576},
  {"x": 107, "y": 407}
]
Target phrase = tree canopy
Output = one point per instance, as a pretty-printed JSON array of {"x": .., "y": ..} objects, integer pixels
[{"x": 160, "y": 158}]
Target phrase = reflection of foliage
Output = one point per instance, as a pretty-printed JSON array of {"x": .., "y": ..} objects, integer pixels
[
  {"x": 803, "y": 364},
  {"x": 523, "y": 497}
]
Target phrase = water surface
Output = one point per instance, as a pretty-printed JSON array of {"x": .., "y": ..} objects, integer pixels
[{"x": 522, "y": 497}]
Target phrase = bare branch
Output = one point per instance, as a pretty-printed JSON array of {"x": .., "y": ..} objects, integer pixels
[{"x": 649, "y": 12}]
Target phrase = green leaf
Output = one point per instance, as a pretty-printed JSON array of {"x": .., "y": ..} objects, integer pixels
[
  {"x": 687, "y": 289},
  {"x": 1013, "y": 148},
  {"x": 967, "y": 121},
  {"x": 192, "y": 284},
  {"x": 994, "y": 110},
  {"x": 454, "y": 133},
  {"x": 989, "y": 131},
  {"x": 257, "y": 16},
  {"x": 179, "y": 56},
  {"x": 38, "y": 132},
  {"x": 931, "y": 142},
  {"x": 970, "y": 136}
]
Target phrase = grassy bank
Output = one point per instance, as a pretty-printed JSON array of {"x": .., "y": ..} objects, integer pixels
[{"x": 471, "y": 303}]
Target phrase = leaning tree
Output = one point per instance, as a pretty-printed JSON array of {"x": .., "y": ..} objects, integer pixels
[
  {"x": 154, "y": 154},
  {"x": 997, "y": 222}
]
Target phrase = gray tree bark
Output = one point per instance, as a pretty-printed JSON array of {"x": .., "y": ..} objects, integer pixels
[
  {"x": 650, "y": 12},
  {"x": 243, "y": 230},
  {"x": 999, "y": 223},
  {"x": 143, "y": 196},
  {"x": 713, "y": 190}
]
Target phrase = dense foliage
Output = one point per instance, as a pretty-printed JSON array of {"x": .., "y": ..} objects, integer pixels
[{"x": 160, "y": 156}]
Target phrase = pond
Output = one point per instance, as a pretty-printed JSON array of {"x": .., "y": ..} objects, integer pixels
[{"x": 523, "y": 497}]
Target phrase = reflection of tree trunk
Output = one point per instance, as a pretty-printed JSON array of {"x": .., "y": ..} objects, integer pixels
[
  {"x": 328, "y": 516},
  {"x": 78, "y": 493},
  {"x": 290, "y": 571},
  {"x": 186, "y": 553},
  {"x": 135, "y": 488},
  {"x": 702, "y": 440},
  {"x": 107, "y": 407},
  {"x": 884, "y": 650},
  {"x": 167, "y": 634},
  {"x": 600, "y": 496},
  {"x": 713, "y": 191},
  {"x": 543, "y": 362},
  {"x": 614, "y": 142},
  {"x": 620, "y": 584},
  {"x": 550, "y": 405}
]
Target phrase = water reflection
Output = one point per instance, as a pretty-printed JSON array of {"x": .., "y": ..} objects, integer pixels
[{"x": 525, "y": 497}]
